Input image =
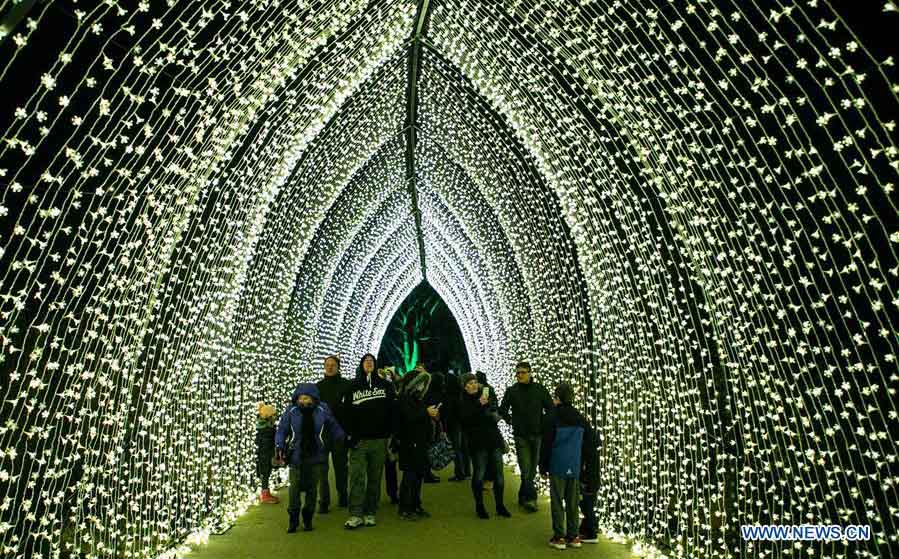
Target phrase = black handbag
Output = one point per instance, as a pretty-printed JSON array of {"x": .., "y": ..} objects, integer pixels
[{"x": 441, "y": 452}]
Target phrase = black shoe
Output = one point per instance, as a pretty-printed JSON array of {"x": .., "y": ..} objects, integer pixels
[
  {"x": 394, "y": 501},
  {"x": 481, "y": 511},
  {"x": 408, "y": 516},
  {"x": 294, "y": 522},
  {"x": 458, "y": 478},
  {"x": 322, "y": 509},
  {"x": 307, "y": 521},
  {"x": 503, "y": 511},
  {"x": 342, "y": 503},
  {"x": 422, "y": 513}
]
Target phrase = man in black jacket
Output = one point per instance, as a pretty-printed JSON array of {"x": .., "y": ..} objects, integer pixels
[
  {"x": 332, "y": 390},
  {"x": 368, "y": 416},
  {"x": 527, "y": 400}
]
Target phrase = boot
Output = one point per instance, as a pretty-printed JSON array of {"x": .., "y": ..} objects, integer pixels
[
  {"x": 479, "y": 505},
  {"x": 307, "y": 520},
  {"x": 267, "y": 498},
  {"x": 294, "y": 521}
]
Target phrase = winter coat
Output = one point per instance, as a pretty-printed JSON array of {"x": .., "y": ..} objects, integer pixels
[
  {"x": 415, "y": 431},
  {"x": 265, "y": 448},
  {"x": 527, "y": 402},
  {"x": 479, "y": 422},
  {"x": 368, "y": 408},
  {"x": 291, "y": 423},
  {"x": 568, "y": 447},
  {"x": 333, "y": 390}
]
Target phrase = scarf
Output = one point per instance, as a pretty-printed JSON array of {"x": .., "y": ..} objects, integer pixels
[{"x": 307, "y": 436}]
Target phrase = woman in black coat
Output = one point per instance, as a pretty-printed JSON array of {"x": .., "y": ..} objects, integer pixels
[
  {"x": 415, "y": 432},
  {"x": 478, "y": 416}
]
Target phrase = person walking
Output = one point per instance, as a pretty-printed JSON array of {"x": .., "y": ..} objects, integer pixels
[
  {"x": 568, "y": 452},
  {"x": 491, "y": 467},
  {"x": 415, "y": 432},
  {"x": 305, "y": 420},
  {"x": 391, "y": 482},
  {"x": 434, "y": 397},
  {"x": 368, "y": 411},
  {"x": 479, "y": 418},
  {"x": 332, "y": 389},
  {"x": 524, "y": 405}
]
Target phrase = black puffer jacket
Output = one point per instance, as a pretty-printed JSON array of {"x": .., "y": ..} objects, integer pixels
[
  {"x": 265, "y": 449},
  {"x": 479, "y": 422},
  {"x": 415, "y": 431}
]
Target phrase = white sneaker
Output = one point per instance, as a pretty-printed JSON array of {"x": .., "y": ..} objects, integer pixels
[
  {"x": 370, "y": 520},
  {"x": 353, "y": 523}
]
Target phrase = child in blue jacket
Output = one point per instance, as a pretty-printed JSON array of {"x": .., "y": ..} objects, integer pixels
[
  {"x": 305, "y": 419},
  {"x": 566, "y": 455}
]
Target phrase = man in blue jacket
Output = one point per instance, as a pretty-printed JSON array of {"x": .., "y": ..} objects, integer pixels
[{"x": 305, "y": 419}]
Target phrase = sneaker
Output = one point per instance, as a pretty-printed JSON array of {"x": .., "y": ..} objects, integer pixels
[
  {"x": 353, "y": 523},
  {"x": 558, "y": 543},
  {"x": 589, "y": 538},
  {"x": 268, "y": 498},
  {"x": 370, "y": 520},
  {"x": 573, "y": 542}
]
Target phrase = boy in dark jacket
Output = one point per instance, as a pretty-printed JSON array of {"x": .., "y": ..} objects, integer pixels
[
  {"x": 567, "y": 448},
  {"x": 368, "y": 411},
  {"x": 265, "y": 449},
  {"x": 305, "y": 420},
  {"x": 527, "y": 400},
  {"x": 478, "y": 416},
  {"x": 332, "y": 389}
]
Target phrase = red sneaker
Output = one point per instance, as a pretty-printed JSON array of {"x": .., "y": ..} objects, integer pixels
[{"x": 268, "y": 498}]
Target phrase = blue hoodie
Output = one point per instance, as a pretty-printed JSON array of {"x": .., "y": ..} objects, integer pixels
[{"x": 292, "y": 420}]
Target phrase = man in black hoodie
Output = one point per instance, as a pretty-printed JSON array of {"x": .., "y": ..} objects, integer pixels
[
  {"x": 527, "y": 400},
  {"x": 332, "y": 389},
  {"x": 367, "y": 410}
]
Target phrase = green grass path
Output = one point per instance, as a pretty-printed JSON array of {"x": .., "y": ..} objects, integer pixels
[{"x": 452, "y": 532}]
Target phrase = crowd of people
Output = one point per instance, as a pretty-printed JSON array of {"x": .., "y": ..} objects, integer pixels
[{"x": 367, "y": 427}]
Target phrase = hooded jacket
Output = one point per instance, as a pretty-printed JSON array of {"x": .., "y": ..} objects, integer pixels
[
  {"x": 368, "y": 407},
  {"x": 568, "y": 449},
  {"x": 291, "y": 422},
  {"x": 527, "y": 402}
]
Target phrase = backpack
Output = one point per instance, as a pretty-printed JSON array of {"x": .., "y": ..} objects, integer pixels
[{"x": 565, "y": 460}]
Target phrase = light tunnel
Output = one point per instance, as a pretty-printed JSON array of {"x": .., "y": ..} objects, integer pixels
[{"x": 686, "y": 209}]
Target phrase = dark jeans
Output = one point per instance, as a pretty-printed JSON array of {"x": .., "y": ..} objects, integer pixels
[
  {"x": 304, "y": 479},
  {"x": 410, "y": 491},
  {"x": 461, "y": 460},
  {"x": 563, "y": 500},
  {"x": 528, "y": 451},
  {"x": 588, "y": 511},
  {"x": 483, "y": 461},
  {"x": 366, "y": 467},
  {"x": 338, "y": 455},
  {"x": 390, "y": 479},
  {"x": 264, "y": 473}
]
